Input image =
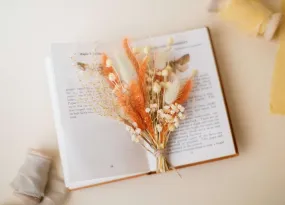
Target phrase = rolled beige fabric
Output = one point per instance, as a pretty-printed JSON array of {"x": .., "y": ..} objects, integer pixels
[{"x": 32, "y": 178}]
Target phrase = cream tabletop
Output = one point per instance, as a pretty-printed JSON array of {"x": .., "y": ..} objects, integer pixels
[{"x": 28, "y": 27}]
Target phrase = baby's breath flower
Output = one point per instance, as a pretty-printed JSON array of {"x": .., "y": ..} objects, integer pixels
[
  {"x": 166, "y": 107},
  {"x": 135, "y": 124},
  {"x": 147, "y": 110},
  {"x": 175, "y": 119},
  {"x": 176, "y": 124},
  {"x": 171, "y": 128},
  {"x": 135, "y": 138},
  {"x": 138, "y": 131},
  {"x": 167, "y": 116},
  {"x": 181, "y": 108},
  {"x": 156, "y": 88},
  {"x": 128, "y": 128},
  {"x": 173, "y": 107},
  {"x": 159, "y": 127}
]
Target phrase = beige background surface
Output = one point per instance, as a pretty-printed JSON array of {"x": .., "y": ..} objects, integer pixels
[{"x": 28, "y": 27}]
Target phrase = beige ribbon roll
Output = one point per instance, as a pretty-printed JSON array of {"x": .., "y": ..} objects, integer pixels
[
  {"x": 32, "y": 178},
  {"x": 36, "y": 183}
]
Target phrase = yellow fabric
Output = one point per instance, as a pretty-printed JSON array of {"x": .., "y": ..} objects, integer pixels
[
  {"x": 277, "y": 101},
  {"x": 249, "y": 15}
]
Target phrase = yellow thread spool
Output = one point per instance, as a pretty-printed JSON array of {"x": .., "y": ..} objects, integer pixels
[{"x": 248, "y": 15}]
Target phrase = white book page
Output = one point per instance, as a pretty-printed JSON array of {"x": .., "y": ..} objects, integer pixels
[
  {"x": 91, "y": 146},
  {"x": 205, "y": 134}
]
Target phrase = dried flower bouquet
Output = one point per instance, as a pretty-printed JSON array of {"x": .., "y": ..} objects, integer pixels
[{"x": 150, "y": 103}]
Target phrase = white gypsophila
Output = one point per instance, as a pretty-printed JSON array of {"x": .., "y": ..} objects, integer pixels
[
  {"x": 128, "y": 128},
  {"x": 147, "y": 110},
  {"x": 138, "y": 131},
  {"x": 135, "y": 138},
  {"x": 166, "y": 107},
  {"x": 176, "y": 124},
  {"x": 135, "y": 124},
  {"x": 159, "y": 127},
  {"x": 156, "y": 88},
  {"x": 171, "y": 128}
]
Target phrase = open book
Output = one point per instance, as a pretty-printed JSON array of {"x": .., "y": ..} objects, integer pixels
[{"x": 96, "y": 149}]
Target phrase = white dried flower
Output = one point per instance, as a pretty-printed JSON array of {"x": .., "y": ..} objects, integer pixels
[
  {"x": 158, "y": 73},
  {"x": 181, "y": 108},
  {"x": 159, "y": 128},
  {"x": 176, "y": 124},
  {"x": 172, "y": 112},
  {"x": 171, "y": 128},
  {"x": 147, "y": 110},
  {"x": 112, "y": 77},
  {"x": 180, "y": 115},
  {"x": 162, "y": 115},
  {"x": 128, "y": 128},
  {"x": 176, "y": 119},
  {"x": 109, "y": 62},
  {"x": 167, "y": 116},
  {"x": 146, "y": 50},
  {"x": 173, "y": 107},
  {"x": 135, "y": 138},
  {"x": 160, "y": 112},
  {"x": 156, "y": 88},
  {"x": 138, "y": 131},
  {"x": 150, "y": 72},
  {"x": 164, "y": 73},
  {"x": 135, "y": 124},
  {"x": 166, "y": 107}
]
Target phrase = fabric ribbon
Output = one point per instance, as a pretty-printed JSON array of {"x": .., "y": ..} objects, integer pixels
[
  {"x": 277, "y": 101},
  {"x": 36, "y": 183}
]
